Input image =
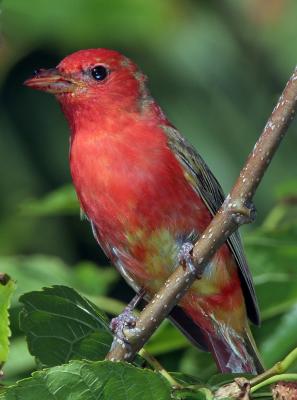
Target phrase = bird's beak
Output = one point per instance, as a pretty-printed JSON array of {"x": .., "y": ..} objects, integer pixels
[{"x": 51, "y": 81}]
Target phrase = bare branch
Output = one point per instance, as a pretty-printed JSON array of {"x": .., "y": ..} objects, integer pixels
[{"x": 235, "y": 211}]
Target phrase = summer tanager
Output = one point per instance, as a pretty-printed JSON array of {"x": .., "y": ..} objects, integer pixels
[{"x": 147, "y": 193}]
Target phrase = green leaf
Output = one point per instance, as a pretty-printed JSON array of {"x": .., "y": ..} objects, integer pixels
[
  {"x": 185, "y": 379},
  {"x": 62, "y": 201},
  {"x": 60, "y": 325},
  {"x": 7, "y": 287},
  {"x": 33, "y": 272},
  {"x": 102, "y": 380}
]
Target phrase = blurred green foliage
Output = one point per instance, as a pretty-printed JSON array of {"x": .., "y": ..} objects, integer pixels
[{"x": 216, "y": 67}]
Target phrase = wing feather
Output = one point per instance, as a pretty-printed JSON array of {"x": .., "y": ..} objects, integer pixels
[{"x": 210, "y": 190}]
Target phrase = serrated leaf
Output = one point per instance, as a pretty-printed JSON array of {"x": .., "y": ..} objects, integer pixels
[
  {"x": 7, "y": 287},
  {"x": 102, "y": 380},
  {"x": 61, "y": 325}
]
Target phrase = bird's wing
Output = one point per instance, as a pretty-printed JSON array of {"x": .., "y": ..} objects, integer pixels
[{"x": 211, "y": 192}]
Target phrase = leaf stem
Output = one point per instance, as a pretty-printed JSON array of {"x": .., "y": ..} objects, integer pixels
[
  {"x": 153, "y": 362},
  {"x": 278, "y": 368},
  {"x": 274, "y": 379}
]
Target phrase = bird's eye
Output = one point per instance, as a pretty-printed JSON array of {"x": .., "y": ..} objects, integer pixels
[{"x": 99, "y": 73}]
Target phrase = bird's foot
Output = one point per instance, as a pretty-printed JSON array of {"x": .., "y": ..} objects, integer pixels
[
  {"x": 126, "y": 320},
  {"x": 185, "y": 257}
]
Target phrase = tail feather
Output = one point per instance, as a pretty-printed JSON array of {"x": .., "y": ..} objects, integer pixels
[{"x": 235, "y": 353}]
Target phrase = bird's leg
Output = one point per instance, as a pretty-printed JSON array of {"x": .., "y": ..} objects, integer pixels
[
  {"x": 185, "y": 256},
  {"x": 126, "y": 320}
]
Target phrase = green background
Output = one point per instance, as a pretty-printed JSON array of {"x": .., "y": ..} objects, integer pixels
[{"x": 216, "y": 68}]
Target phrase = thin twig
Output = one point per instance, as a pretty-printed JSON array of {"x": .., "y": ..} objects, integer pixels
[
  {"x": 279, "y": 368},
  {"x": 235, "y": 211},
  {"x": 275, "y": 379},
  {"x": 153, "y": 362}
]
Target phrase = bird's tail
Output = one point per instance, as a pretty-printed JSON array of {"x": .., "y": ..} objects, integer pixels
[
  {"x": 235, "y": 352},
  {"x": 232, "y": 351}
]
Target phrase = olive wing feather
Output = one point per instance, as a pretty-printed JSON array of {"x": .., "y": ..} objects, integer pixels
[{"x": 207, "y": 186}]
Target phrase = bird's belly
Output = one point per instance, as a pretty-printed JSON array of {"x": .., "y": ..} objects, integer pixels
[
  {"x": 142, "y": 213},
  {"x": 129, "y": 194},
  {"x": 142, "y": 232},
  {"x": 149, "y": 259}
]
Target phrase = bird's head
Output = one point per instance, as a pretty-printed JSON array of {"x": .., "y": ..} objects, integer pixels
[{"x": 99, "y": 78}]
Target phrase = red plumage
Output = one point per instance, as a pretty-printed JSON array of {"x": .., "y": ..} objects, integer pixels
[{"x": 147, "y": 192}]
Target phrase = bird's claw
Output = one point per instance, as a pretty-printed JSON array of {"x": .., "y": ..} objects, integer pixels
[
  {"x": 185, "y": 256},
  {"x": 126, "y": 320}
]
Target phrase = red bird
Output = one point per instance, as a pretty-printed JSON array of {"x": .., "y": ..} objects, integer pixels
[{"x": 148, "y": 194}]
